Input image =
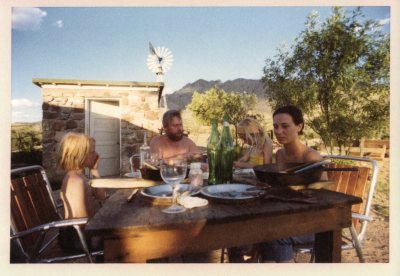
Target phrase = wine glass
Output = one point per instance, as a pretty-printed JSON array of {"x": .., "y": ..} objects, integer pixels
[{"x": 173, "y": 171}]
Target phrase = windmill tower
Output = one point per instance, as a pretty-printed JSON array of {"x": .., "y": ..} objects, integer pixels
[{"x": 159, "y": 61}]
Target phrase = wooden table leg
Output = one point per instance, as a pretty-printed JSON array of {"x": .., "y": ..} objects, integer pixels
[{"x": 328, "y": 246}]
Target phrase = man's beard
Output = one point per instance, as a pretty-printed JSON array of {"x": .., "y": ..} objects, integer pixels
[{"x": 175, "y": 137}]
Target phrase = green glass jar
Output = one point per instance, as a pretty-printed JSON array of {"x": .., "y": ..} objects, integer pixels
[
  {"x": 226, "y": 152},
  {"x": 212, "y": 154}
]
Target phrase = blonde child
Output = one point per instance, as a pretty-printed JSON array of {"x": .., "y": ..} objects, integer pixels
[
  {"x": 260, "y": 151},
  {"x": 77, "y": 152}
]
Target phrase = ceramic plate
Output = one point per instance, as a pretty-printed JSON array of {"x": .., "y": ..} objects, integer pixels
[
  {"x": 165, "y": 191},
  {"x": 234, "y": 192}
]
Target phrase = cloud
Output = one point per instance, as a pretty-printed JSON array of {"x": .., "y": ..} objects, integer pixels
[
  {"x": 27, "y": 19},
  {"x": 384, "y": 21},
  {"x": 22, "y": 103},
  {"x": 59, "y": 24},
  {"x": 33, "y": 115},
  {"x": 25, "y": 110}
]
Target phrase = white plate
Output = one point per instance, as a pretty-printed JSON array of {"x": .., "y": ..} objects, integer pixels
[
  {"x": 231, "y": 191},
  {"x": 165, "y": 191}
]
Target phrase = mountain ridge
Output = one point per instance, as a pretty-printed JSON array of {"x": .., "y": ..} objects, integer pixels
[{"x": 182, "y": 97}]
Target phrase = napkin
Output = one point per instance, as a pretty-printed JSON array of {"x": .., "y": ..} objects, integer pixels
[{"x": 192, "y": 201}]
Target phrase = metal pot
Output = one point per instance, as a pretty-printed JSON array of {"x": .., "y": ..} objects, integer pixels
[
  {"x": 281, "y": 175},
  {"x": 151, "y": 174}
]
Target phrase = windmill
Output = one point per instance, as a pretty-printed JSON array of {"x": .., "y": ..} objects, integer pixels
[{"x": 159, "y": 61}]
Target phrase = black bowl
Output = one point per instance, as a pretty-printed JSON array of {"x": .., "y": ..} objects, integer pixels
[
  {"x": 272, "y": 175},
  {"x": 151, "y": 174}
]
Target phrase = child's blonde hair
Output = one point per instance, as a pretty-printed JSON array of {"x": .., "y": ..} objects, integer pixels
[
  {"x": 253, "y": 132},
  {"x": 74, "y": 149}
]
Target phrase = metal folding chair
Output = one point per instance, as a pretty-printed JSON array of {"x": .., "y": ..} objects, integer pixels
[
  {"x": 359, "y": 183},
  {"x": 35, "y": 218}
]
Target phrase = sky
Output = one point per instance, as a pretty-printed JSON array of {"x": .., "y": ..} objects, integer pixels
[{"x": 106, "y": 43}]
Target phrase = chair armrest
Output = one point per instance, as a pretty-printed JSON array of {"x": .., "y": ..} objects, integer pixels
[
  {"x": 361, "y": 217},
  {"x": 53, "y": 224}
]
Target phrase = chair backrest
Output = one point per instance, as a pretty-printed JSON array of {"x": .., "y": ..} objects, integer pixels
[
  {"x": 32, "y": 202},
  {"x": 360, "y": 183}
]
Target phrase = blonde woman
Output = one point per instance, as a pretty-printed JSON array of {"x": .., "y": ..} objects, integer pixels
[
  {"x": 260, "y": 151},
  {"x": 77, "y": 152}
]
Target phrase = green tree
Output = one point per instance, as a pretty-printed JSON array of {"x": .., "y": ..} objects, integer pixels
[
  {"x": 215, "y": 102},
  {"x": 337, "y": 72},
  {"x": 25, "y": 141}
]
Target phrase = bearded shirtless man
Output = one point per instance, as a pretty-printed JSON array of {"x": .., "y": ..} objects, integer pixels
[{"x": 173, "y": 144}]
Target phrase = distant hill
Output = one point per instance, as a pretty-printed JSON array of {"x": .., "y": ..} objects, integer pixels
[
  {"x": 20, "y": 126},
  {"x": 182, "y": 97}
]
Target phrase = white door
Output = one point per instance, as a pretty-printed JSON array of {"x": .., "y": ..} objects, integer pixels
[{"x": 104, "y": 126}]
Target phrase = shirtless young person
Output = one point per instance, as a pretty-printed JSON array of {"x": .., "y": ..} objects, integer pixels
[
  {"x": 77, "y": 152},
  {"x": 288, "y": 125},
  {"x": 173, "y": 144}
]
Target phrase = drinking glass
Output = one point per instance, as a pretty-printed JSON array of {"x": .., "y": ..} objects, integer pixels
[
  {"x": 173, "y": 171},
  {"x": 154, "y": 159}
]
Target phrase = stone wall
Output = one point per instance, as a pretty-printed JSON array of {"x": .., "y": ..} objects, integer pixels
[{"x": 64, "y": 111}]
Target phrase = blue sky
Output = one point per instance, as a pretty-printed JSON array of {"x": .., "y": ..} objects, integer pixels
[{"x": 213, "y": 43}]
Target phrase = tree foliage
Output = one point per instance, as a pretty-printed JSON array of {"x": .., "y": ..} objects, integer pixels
[
  {"x": 337, "y": 72},
  {"x": 25, "y": 141},
  {"x": 215, "y": 102}
]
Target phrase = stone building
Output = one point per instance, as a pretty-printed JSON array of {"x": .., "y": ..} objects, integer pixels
[{"x": 115, "y": 113}]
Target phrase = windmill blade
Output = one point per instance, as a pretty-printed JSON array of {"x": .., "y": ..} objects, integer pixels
[
  {"x": 152, "y": 50},
  {"x": 152, "y": 63}
]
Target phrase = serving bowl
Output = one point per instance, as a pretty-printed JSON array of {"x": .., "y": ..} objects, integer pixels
[{"x": 277, "y": 175}]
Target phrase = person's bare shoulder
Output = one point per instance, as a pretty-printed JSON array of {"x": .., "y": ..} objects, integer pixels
[
  {"x": 75, "y": 183},
  {"x": 157, "y": 143},
  {"x": 155, "y": 140},
  {"x": 188, "y": 141},
  {"x": 312, "y": 155}
]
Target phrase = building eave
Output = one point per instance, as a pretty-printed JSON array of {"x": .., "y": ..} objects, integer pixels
[{"x": 114, "y": 84}]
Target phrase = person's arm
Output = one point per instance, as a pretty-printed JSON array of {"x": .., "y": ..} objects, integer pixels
[
  {"x": 99, "y": 193},
  {"x": 243, "y": 161},
  {"x": 193, "y": 149},
  {"x": 193, "y": 152}
]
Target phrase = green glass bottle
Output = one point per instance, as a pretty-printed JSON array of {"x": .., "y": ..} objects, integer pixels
[
  {"x": 226, "y": 153},
  {"x": 212, "y": 154}
]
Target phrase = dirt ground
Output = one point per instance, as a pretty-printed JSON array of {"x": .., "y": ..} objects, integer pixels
[{"x": 376, "y": 240}]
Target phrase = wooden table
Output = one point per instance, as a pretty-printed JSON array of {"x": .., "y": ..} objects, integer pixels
[{"x": 138, "y": 231}]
